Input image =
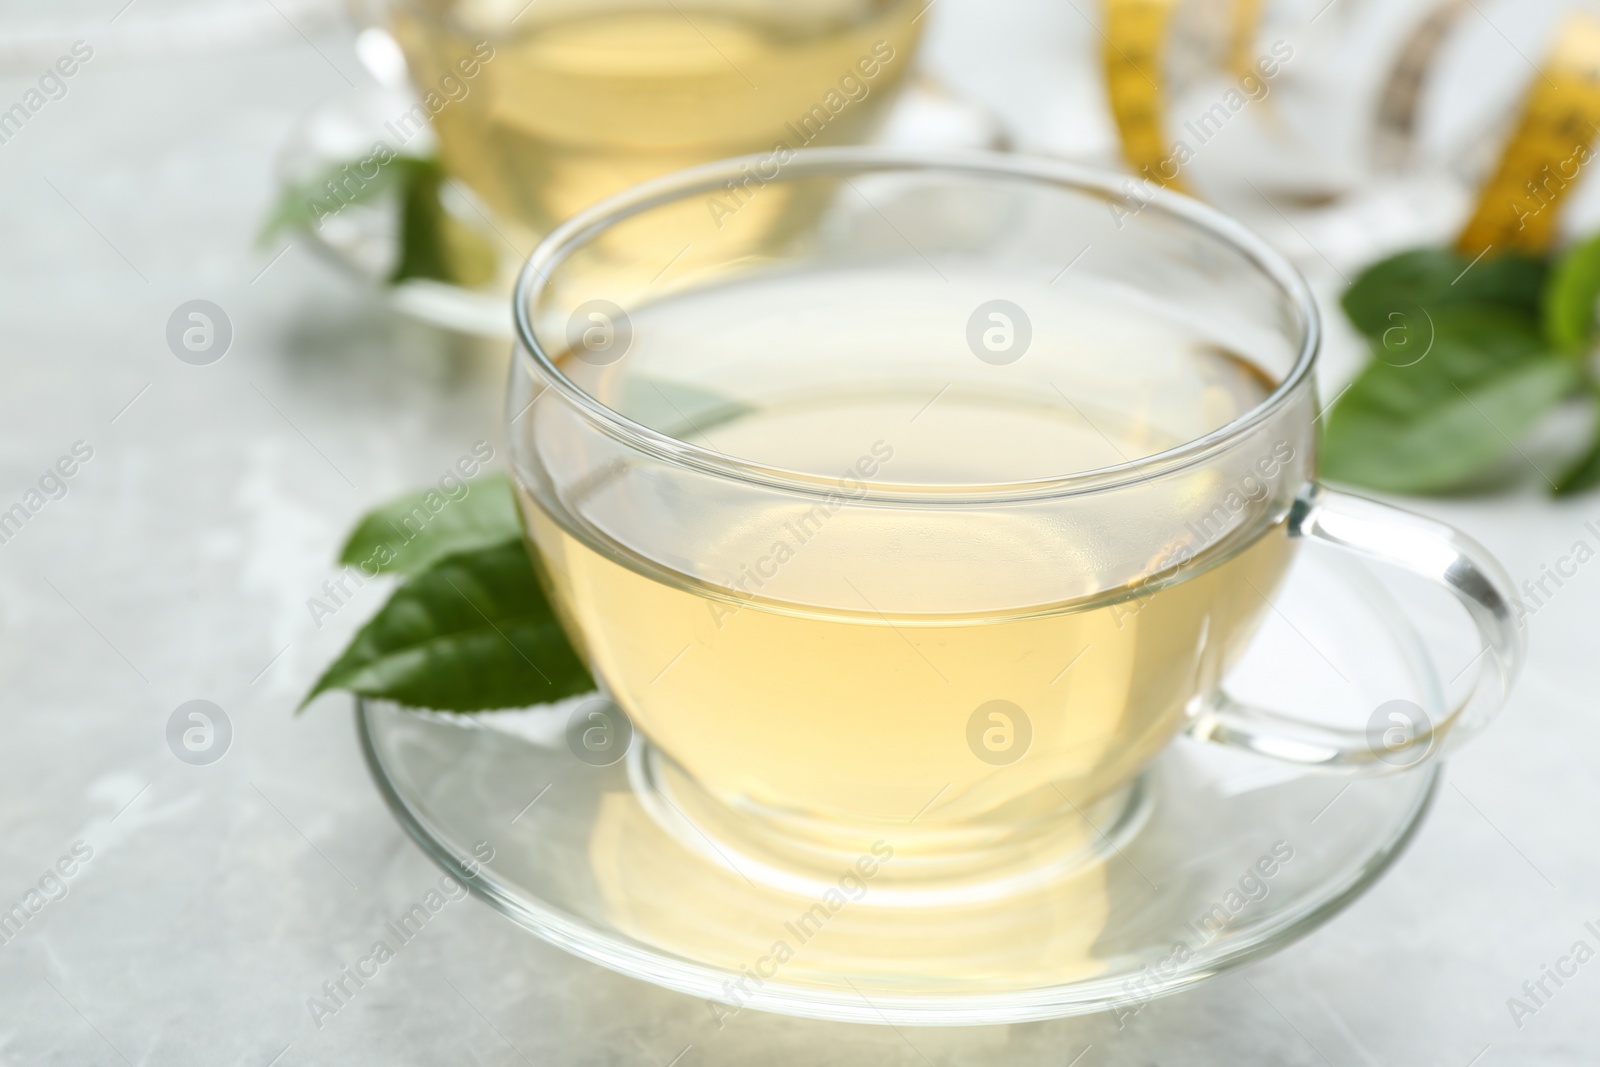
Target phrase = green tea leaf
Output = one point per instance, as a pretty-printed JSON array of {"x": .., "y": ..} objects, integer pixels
[
  {"x": 1430, "y": 425},
  {"x": 412, "y": 532},
  {"x": 472, "y": 632},
  {"x": 304, "y": 205},
  {"x": 1569, "y": 299},
  {"x": 1432, "y": 279},
  {"x": 677, "y": 407},
  {"x": 434, "y": 244}
]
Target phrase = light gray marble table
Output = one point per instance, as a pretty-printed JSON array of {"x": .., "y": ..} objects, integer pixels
[{"x": 218, "y": 898}]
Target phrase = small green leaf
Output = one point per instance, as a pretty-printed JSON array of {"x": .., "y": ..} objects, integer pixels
[
  {"x": 1432, "y": 279},
  {"x": 472, "y": 632},
  {"x": 411, "y": 532},
  {"x": 1428, "y": 426},
  {"x": 1569, "y": 299}
]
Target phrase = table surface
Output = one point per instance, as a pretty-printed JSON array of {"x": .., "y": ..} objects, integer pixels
[{"x": 216, "y": 900}]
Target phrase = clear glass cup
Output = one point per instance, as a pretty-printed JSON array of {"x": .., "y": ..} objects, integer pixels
[
  {"x": 543, "y": 108},
  {"x": 939, "y": 513}
]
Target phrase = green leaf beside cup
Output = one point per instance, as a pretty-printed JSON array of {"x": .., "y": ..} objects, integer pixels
[
  {"x": 470, "y": 629},
  {"x": 1468, "y": 357}
]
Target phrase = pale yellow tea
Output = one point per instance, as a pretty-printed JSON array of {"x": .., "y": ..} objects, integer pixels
[
  {"x": 827, "y": 659},
  {"x": 579, "y": 100},
  {"x": 846, "y": 713}
]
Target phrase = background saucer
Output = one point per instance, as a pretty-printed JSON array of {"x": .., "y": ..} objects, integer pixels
[{"x": 362, "y": 239}]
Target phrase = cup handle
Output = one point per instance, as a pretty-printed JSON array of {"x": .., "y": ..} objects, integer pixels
[{"x": 1431, "y": 549}]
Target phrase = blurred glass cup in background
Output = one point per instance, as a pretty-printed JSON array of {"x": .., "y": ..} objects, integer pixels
[
  {"x": 569, "y": 101},
  {"x": 533, "y": 111}
]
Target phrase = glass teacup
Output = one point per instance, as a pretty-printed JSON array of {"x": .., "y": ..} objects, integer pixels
[
  {"x": 933, "y": 519},
  {"x": 544, "y": 108}
]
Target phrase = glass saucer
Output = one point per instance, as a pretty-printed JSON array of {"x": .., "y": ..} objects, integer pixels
[{"x": 1212, "y": 859}]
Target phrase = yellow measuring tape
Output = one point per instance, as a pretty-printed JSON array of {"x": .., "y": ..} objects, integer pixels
[
  {"x": 1246, "y": 21},
  {"x": 1400, "y": 100},
  {"x": 1520, "y": 206},
  {"x": 1136, "y": 36}
]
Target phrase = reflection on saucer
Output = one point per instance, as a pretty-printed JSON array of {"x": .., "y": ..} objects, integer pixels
[{"x": 663, "y": 893}]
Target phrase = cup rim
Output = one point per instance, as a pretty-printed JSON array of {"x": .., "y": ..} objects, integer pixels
[{"x": 1113, "y": 186}]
